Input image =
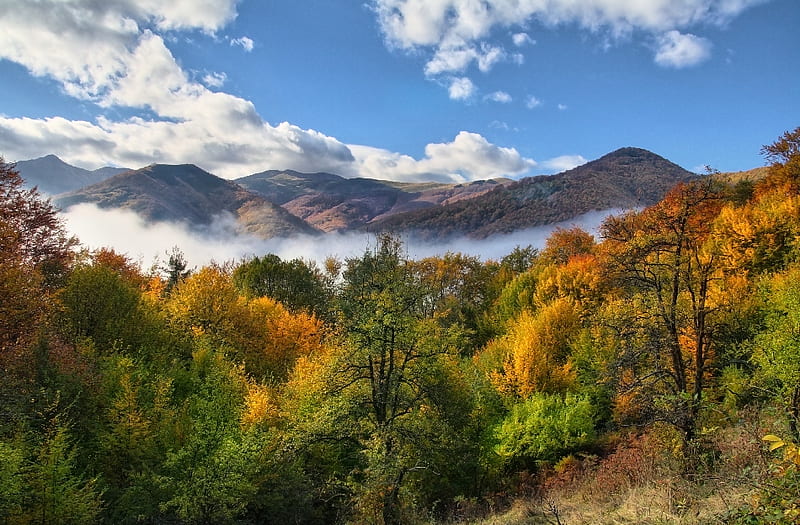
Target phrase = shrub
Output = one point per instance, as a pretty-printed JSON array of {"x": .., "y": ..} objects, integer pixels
[{"x": 545, "y": 428}]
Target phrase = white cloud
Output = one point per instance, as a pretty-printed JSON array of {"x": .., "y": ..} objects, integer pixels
[
  {"x": 215, "y": 80},
  {"x": 532, "y": 102},
  {"x": 521, "y": 39},
  {"x": 563, "y": 163},
  {"x": 461, "y": 88},
  {"x": 489, "y": 56},
  {"x": 562, "y": 107},
  {"x": 678, "y": 50},
  {"x": 457, "y": 57},
  {"x": 86, "y": 44},
  {"x": 437, "y": 24},
  {"x": 113, "y": 54},
  {"x": 246, "y": 43},
  {"x": 468, "y": 157},
  {"x": 98, "y": 51},
  {"x": 499, "y": 96}
]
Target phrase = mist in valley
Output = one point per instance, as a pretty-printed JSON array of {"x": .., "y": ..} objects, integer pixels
[{"x": 149, "y": 243}]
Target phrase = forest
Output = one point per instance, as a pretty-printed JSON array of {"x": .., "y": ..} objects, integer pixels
[{"x": 648, "y": 374}]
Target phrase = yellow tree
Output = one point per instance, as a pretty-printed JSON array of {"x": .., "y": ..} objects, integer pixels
[
  {"x": 535, "y": 351},
  {"x": 260, "y": 332}
]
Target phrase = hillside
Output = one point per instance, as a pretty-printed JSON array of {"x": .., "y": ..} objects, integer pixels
[
  {"x": 186, "y": 193},
  {"x": 53, "y": 176},
  {"x": 333, "y": 203},
  {"x": 626, "y": 178}
]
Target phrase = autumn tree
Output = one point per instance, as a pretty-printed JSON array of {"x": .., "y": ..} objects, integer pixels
[
  {"x": 458, "y": 291},
  {"x": 565, "y": 243},
  {"x": 35, "y": 253},
  {"x": 762, "y": 234},
  {"x": 535, "y": 351},
  {"x": 783, "y": 156},
  {"x": 31, "y": 231},
  {"x": 663, "y": 255},
  {"x": 259, "y": 332}
]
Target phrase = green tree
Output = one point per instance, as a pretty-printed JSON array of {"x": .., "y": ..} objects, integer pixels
[
  {"x": 209, "y": 478},
  {"x": 176, "y": 268},
  {"x": 387, "y": 372},
  {"x": 60, "y": 494},
  {"x": 295, "y": 284},
  {"x": 777, "y": 347},
  {"x": 12, "y": 482},
  {"x": 99, "y": 304}
]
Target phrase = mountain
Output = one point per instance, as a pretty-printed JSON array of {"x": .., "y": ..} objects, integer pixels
[
  {"x": 333, "y": 203},
  {"x": 284, "y": 203},
  {"x": 626, "y": 178},
  {"x": 186, "y": 193},
  {"x": 53, "y": 176}
]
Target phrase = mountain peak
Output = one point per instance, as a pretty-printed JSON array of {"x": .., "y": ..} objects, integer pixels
[
  {"x": 53, "y": 176},
  {"x": 626, "y": 178}
]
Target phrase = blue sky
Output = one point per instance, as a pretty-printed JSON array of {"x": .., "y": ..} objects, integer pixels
[{"x": 397, "y": 89}]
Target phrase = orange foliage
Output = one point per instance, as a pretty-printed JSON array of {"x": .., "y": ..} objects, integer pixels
[
  {"x": 260, "y": 332},
  {"x": 565, "y": 243},
  {"x": 580, "y": 278},
  {"x": 761, "y": 235},
  {"x": 121, "y": 264}
]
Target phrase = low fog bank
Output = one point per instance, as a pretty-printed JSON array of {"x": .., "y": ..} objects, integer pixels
[{"x": 127, "y": 233}]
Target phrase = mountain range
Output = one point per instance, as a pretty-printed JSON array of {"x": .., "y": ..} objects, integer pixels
[{"x": 285, "y": 203}]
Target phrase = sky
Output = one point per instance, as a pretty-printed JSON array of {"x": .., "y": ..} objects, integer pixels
[{"x": 408, "y": 90}]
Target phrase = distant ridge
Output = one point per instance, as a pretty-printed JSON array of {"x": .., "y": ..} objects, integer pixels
[
  {"x": 53, "y": 176},
  {"x": 186, "y": 193},
  {"x": 333, "y": 203},
  {"x": 626, "y": 178}
]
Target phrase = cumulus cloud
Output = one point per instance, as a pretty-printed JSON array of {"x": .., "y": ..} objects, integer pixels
[
  {"x": 499, "y": 96},
  {"x": 562, "y": 107},
  {"x": 113, "y": 54},
  {"x": 127, "y": 233},
  {"x": 468, "y": 157},
  {"x": 86, "y": 45},
  {"x": 457, "y": 57},
  {"x": 461, "y": 88},
  {"x": 436, "y": 24},
  {"x": 678, "y": 50},
  {"x": 245, "y": 42}
]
